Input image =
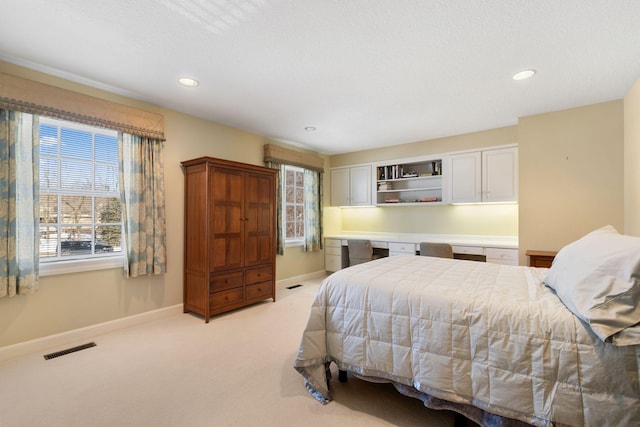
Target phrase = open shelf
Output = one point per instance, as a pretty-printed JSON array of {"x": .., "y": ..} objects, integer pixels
[{"x": 408, "y": 183}]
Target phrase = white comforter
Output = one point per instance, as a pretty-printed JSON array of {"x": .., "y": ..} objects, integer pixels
[{"x": 484, "y": 334}]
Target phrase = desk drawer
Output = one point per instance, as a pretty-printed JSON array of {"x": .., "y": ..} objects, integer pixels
[
  {"x": 333, "y": 250},
  {"x": 502, "y": 256},
  {"x": 468, "y": 250},
  {"x": 402, "y": 248},
  {"x": 332, "y": 262},
  {"x": 332, "y": 243}
]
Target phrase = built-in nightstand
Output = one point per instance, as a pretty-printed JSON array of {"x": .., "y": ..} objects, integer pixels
[{"x": 540, "y": 258}]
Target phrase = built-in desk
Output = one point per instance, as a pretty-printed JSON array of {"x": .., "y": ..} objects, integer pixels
[{"x": 495, "y": 249}]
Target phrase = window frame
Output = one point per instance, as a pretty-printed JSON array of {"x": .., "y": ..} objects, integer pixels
[
  {"x": 297, "y": 241},
  {"x": 58, "y": 265}
]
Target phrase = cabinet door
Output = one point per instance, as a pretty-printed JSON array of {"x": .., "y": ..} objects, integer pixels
[
  {"x": 360, "y": 185},
  {"x": 226, "y": 240},
  {"x": 340, "y": 187},
  {"x": 500, "y": 175},
  {"x": 259, "y": 219},
  {"x": 465, "y": 178}
]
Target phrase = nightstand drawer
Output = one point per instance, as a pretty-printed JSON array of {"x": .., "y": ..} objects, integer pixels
[{"x": 542, "y": 259}]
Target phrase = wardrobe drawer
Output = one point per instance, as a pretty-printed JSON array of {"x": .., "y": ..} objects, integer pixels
[
  {"x": 222, "y": 282},
  {"x": 223, "y": 298},
  {"x": 259, "y": 290},
  {"x": 261, "y": 274}
]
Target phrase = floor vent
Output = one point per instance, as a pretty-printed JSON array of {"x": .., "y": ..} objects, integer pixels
[
  {"x": 69, "y": 350},
  {"x": 294, "y": 286}
]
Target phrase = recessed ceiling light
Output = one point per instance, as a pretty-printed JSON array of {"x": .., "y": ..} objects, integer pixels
[
  {"x": 524, "y": 74},
  {"x": 310, "y": 128},
  {"x": 188, "y": 81}
]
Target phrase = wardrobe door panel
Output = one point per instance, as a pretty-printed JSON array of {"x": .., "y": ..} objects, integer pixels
[
  {"x": 260, "y": 224},
  {"x": 226, "y": 235}
]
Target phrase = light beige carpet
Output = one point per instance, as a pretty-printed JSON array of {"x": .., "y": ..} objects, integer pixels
[{"x": 178, "y": 371}]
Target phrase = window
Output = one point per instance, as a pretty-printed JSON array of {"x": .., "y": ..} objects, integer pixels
[
  {"x": 80, "y": 207},
  {"x": 293, "y": 205}
]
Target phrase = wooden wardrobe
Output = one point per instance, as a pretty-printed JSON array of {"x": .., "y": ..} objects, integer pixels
[{"x": 230, "y": 235}]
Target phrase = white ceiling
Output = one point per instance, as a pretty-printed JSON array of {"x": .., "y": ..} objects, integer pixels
[{"x": 365, "y": 73}]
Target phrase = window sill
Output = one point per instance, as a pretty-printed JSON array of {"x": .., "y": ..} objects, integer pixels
[
  {"x": 293, "y": 244},
  {"x": 80, "y": 265}
]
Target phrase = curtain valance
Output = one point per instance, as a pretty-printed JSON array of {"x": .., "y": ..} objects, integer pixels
[
  {"x": 33, "y": 97},
  {"x": 281, "y": 155}
]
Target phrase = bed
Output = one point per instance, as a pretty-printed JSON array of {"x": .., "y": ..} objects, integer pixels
[{"x": 503, "y": 345}]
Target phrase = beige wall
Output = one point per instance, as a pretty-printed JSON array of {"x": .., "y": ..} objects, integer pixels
[
  {"x": 631, "y": 160},
  {"x": 571, "y": 174},
  {"x": 71, "y": 301},
  {"x": 490, "y": 220},
  {"x": 487, "y": 220}
]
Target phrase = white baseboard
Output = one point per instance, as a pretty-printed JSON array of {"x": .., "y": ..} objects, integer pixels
[
  {"x": 297, "y": 279},
  {"x": 56, "y": 341}
]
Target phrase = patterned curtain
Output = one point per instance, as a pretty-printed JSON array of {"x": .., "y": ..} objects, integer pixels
[
  {"x": 312, "y": 210},
  {"x": 279, "y": 231},
  {"x": 19, "y": 207},
  {"x": 143, "y": 206}
]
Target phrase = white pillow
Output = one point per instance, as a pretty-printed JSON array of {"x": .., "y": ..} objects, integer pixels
[{"x": 598, "y": 278}]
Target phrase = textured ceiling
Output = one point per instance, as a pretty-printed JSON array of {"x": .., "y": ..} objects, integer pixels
[{"x": 365, "y": 73}]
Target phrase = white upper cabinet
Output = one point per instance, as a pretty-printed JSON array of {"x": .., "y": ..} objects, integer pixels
[
  {"x": 465, "y": 174},
  {"x": 360, "y": 180},
  {"x": 340, "y": 187},
  {"x": 500, "y": 175},
  {"x": 487, "y": 176},
  {"x": 351, "y": 186}
]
